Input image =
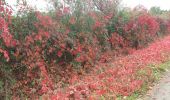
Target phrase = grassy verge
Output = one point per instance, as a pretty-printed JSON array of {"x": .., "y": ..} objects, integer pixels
[{"x": 157, "y": 73}]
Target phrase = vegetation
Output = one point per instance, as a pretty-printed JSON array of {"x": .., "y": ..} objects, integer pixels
[{"x": 45, "y": 54}]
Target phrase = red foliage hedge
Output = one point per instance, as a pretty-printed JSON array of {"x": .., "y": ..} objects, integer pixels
[
  {"x": 121, "y": 77},
  {"x": 62, "y": 44}
]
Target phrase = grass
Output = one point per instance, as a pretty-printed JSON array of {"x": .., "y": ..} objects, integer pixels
[{"x": 157, "y": 73}]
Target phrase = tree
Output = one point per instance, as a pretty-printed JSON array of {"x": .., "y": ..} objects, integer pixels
[{"x": 155, "y": 11}]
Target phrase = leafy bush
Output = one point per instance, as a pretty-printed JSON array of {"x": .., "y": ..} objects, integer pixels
[{"x": 40, "y": 49}]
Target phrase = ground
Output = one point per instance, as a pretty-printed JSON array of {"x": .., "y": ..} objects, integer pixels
[{"x": 161, "y": 89}]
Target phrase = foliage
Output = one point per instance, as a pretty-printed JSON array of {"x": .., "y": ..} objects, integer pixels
[
  {"x": 155, "y": 11},
  {"x": 47, "y": 51},
  {"x": 123, "y": 77}
]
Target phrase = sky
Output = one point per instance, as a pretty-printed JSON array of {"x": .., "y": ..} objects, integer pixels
[
  {"x": 40, "y": 4},
  {"x": 163, "y": 4}
]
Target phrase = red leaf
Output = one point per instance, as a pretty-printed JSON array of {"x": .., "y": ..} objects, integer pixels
[{"x": 59, "y": 53}]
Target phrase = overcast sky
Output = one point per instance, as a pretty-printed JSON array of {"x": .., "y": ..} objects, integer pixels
[
  {"x": 163, "y": 4},
  {"x": 40, "y": 4}
]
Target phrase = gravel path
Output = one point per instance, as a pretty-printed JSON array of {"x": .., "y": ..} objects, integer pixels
[{"x": 161, "y": 91}]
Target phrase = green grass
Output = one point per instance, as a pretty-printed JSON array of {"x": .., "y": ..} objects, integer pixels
[
  {"x": 159, "y": 70},
  {"x": 157, "y": 73}
]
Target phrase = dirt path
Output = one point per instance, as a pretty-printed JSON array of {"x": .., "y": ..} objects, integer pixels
[{"x": 161, "y": 90}]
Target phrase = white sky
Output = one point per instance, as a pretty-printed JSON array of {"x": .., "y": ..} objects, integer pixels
[
  {"x": 40, "y": 4},
  {"x": 163, "y": 4}
]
